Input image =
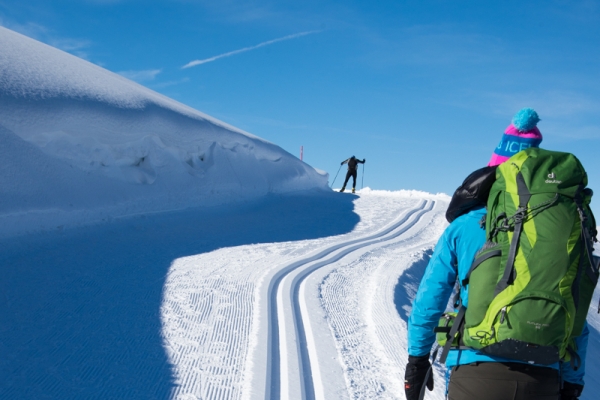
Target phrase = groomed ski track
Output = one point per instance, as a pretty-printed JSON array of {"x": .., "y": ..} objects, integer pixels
[
  {"x": 127, "y": 311},
  {"x": 250, "y": 322},
  {"x": 280, "y": 365}
]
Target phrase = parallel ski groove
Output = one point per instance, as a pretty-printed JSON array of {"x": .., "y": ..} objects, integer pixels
[
  {"x": 299, "y": 318},
  {"x": 273, "y": 384},
  {"x": 369, "y": 334}
]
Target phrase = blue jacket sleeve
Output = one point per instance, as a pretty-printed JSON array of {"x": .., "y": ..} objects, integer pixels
[
  {"x": 432, "y": 296},
  {"x": 568, "y": 373}
]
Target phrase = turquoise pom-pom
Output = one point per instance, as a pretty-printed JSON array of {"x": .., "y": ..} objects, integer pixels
[{"x": 525, "y": 120}]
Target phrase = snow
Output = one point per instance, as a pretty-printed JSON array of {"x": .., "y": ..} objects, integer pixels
[
  {"x": 151, "y": 251},
  {"x": 80, "y": 144}
]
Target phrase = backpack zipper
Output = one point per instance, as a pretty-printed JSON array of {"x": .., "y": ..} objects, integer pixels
[{"x": 502, "y": 314}]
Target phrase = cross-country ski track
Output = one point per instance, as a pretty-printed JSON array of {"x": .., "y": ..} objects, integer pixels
[
  {"x": 288, "y": 296},
  {"x": 179, "y": 305},
  {"x": 250, "y": 322}
]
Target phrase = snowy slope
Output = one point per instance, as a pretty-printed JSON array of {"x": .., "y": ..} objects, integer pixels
[{"x": 81, "y": 144}]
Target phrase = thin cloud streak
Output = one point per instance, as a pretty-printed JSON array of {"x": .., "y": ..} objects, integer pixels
[
  {"x": 140, "y": 76},
  {"x": 245, "y": 49}
]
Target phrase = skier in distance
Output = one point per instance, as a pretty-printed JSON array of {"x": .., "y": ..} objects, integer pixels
[{"x": 352, "y": 172}]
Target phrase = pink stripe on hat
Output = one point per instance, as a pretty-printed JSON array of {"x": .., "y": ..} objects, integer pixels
[
  {"x": 531, "y": 134},
  {"x": 496, "y": 160}
]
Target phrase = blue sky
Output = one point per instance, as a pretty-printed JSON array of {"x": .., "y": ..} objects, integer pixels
[{"x": 422, "y": 90}]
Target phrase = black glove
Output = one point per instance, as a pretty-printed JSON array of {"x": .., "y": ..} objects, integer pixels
[
  {"x": 570, "y": 391},
  {"x": 342, "y": 163},
  {"x": 364, "y": 159},
  {"x": 414, "y": 377}
]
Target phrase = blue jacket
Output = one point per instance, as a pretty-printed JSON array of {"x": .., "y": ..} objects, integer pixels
[{"x": 451, "y": 260}]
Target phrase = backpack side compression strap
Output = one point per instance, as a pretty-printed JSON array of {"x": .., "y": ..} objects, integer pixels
[
  {"x": 520, "y": 215},
  {"x": 458, "y": 322}
]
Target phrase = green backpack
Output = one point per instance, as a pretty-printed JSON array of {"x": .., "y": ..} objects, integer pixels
[{"x": 531, "y": 284}]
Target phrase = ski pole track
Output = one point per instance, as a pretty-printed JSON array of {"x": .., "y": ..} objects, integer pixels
[{"x": 307, "y": 265}]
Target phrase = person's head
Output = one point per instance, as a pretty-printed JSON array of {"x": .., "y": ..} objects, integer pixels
[{"x": 472, "y": 194}]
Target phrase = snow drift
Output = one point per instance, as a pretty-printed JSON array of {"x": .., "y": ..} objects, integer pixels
[{"x": 79, "y": 144}]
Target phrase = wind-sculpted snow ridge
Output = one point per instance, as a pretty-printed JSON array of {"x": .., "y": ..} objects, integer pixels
[
  {"x": 34, "y": 71},
  {"x": 80, "y": 144}
]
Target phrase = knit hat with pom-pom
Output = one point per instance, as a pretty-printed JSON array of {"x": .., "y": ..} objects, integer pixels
[{"x": 521, "y": 134}]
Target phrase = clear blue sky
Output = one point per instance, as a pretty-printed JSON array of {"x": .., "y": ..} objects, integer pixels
[{"x": 422, "y": 89}]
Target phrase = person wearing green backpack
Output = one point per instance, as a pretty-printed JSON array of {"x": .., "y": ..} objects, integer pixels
[{"x": 491, "y": 368}]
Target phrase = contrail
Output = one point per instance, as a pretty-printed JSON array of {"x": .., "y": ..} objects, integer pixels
[{"x": 231, "y": 53}]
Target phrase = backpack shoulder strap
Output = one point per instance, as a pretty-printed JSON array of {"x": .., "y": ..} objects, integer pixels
[{"x": 521, "y": 213}]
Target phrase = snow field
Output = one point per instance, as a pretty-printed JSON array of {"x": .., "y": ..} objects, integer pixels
[
  {"x": 308, "y": 346},
  {"x": 304, "y": 368},
  {"x": 358, "y": 299},
  {"x": 220, "y": 317},
  {"x": 207, "y": 315},
  {"x": 177, "y": 302},
  {"x": 350, "y": 302},
  {"x": 191, "y": 285},
  {"x": 84, "y": 307}
]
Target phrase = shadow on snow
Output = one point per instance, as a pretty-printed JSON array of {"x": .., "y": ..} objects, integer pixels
[
  {"x": 80, "y": 309},
  {"x": 408, "y": 283}
]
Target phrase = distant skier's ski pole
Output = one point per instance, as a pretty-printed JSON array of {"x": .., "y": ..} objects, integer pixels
[
  {"x": 362, "y": 182},
  {"x": 336, "y": 176}
]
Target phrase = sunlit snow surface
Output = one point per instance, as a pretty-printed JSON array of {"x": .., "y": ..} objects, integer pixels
[
  {"x": 81, "y": 144},
  {"x": 214, "y": 310}
]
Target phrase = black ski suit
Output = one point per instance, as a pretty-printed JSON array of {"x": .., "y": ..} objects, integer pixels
[{"x": 352, "y": 170}]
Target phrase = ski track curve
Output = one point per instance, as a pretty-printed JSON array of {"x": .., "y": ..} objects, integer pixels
[
  {"x": 278, "y": 359},
  {"x": 215, "y": 309},
  {"x": 357, "y": 298}
]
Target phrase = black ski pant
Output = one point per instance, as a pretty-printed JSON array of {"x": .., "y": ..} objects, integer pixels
[
  {"x": 503, "y": 381},
  {"x": 352, "y": 174}
]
